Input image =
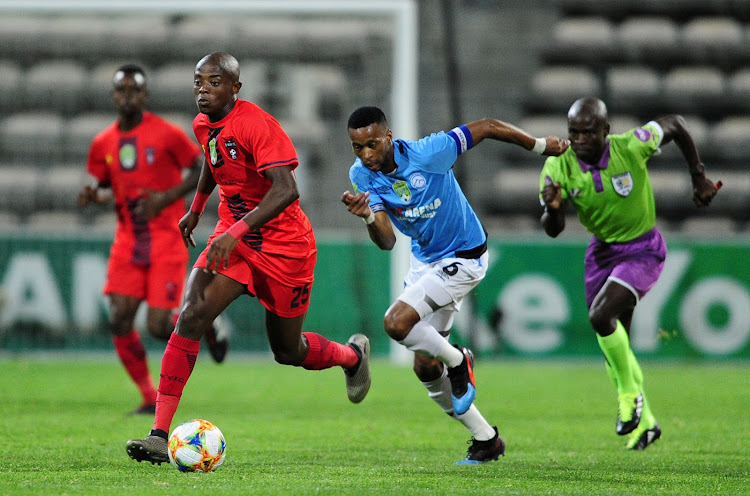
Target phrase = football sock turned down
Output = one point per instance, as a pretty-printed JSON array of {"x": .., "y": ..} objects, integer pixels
[
  {"x": 323, "y": 353},
  {"x": 616, "y": 349},
  {"x": 133, "y": 357},
  {"x": 176, "y": 367},
  {"x": 424, "y": 339}
]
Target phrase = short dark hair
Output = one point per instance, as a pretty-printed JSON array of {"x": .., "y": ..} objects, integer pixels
[
  {"x": 127, "y": 69},
  {"x": 364, "y": 116}
]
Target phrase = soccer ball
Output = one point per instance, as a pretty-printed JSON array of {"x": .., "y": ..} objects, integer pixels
[{"x": 196, "y": 445}]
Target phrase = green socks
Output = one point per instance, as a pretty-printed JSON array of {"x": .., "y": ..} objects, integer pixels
[{"x": 616, "y": 349}]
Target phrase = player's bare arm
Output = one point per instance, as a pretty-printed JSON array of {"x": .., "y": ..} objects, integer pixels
[
  {"x": 675, "y": 128},
  {"x": 380, "y": 228},
  {"x": 283, "y": 192},
  {"x": 206, "y": 185},
  {"x": 508, "y": 133},
  {"x": 153, "y": 202},
  {"x": 553, "y": 218}
]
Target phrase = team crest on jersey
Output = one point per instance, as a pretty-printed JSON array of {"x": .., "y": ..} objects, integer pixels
[
  {"x": 231, "y": 147},
  {"x": 417, "y": 181},
  {"x": 623, "y": 184},
  {"x": 150, "y": 155},
  {"x": 402, "y": 190},
  {"x": 127, "y": 156}
]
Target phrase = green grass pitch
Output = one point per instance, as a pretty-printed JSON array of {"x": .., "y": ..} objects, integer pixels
[{"x": 292, "y": 432}]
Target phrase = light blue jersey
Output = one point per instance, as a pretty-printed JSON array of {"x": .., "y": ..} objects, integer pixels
[{"x": 423, "y": 198}]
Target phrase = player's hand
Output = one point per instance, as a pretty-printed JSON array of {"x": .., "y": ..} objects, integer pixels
[
  {"x": 358, "y": 204},
  {"x": 552, "y": 195},
  {"x": 555, "y": 146},
  {"x": 86, "y": 195},
  {"x": 187, "y": 225},
  {"x": 704, "y": 190},
  {"x": 150, "y": 204},
  {"x": 218, "y": 253}
]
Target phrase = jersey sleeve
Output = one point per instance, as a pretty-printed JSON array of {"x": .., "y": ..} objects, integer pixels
[
  {"x": 97, "y": 161},
  {"x": 552, "y": 172},
  {"x": 360, "y": 179},
  {"x": 646, "y": 140},
  {"x": 439, "y": 151},
  {"x": 269, "y": 143}
]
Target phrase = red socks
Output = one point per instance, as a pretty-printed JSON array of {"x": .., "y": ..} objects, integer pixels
[
  {"x": 133, "y": 356},
  {"x": 323, "y": 354},
  {"x": 176, "y": 366}
]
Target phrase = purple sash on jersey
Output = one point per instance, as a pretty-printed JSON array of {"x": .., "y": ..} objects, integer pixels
[{"x": 636, "y": 263}]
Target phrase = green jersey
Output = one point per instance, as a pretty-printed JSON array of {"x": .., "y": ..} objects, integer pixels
[{"x": 613, "y": 198}]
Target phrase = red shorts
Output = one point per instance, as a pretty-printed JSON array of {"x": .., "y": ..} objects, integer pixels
[
  {"x": 282, "y": 284},
  {"x": 160, "y": 284}
]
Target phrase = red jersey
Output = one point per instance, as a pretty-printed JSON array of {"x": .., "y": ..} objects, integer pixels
[
  {"x": 151, "y": 156},
  {"x": 238, "y": 148}
]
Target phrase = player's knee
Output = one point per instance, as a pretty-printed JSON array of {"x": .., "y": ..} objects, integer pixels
[
  {"x": 600, "y": 322},
  {"x": 119, "y": 325},
  {"x": 192, "y": 323},
  {"x": 396, "y": 327}
]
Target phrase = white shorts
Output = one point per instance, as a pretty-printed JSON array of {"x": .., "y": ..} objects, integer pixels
[{"x": 436, "y": 290}]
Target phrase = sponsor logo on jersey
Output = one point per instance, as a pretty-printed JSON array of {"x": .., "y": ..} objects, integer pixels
[
  {"x": 417, "y": 181},
  {"x": 623, "y": 184},
  {"x": 150, "y": 155},
  {"x": 402, "y": 190},
  {"x": 422, "y": 212},
  {"x": 642, "y": 134}
]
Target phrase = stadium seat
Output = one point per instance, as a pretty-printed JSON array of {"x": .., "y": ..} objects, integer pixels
[
  {"x": 556, "y": 88},
  {"x": 652, "y": 40},
  {"x": 254, "y": 75},
  {"x": 18, "y": 188},
  {"x": 182, "y": 119},
  {"x": 145, "y": 35},
  {"x": 11, "y": 78},
  {"x": 311, "y": 92},
  {"x": 31, "y": 136},
  {"x": 633, "y": 88},
  {"x": 731, "y": 138},
  {"x": 9, "y": 221},
  {"x": 171, "y": 87},
  {"x": 80, "y": 130},
  {"x": 58, "y": 186},
  {"x": 57, "y": 84},
  {"x": 586, "y": 39},
  {"x": 738, "y": 88},
  {"x": 24, "y": 35},
  {"x": 46, "y": 221},
  {"x": 713, "y": 40},
  {"x": 693, "y": 88}
]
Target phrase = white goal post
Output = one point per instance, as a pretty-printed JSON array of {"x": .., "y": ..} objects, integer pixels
[{"x": 404, "y": 74}]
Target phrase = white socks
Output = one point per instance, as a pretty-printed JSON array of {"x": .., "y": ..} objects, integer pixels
[
  {"x": 439, "y": 391},
  {"x": 425, "y": 340}
]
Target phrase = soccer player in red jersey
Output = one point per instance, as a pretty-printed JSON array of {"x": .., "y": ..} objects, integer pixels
[
  {"x": 263, "y": 245},
  {"x": 139, "y": 159}
]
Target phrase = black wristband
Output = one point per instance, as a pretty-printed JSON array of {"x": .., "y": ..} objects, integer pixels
[{"x": 698, "y": 170}]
